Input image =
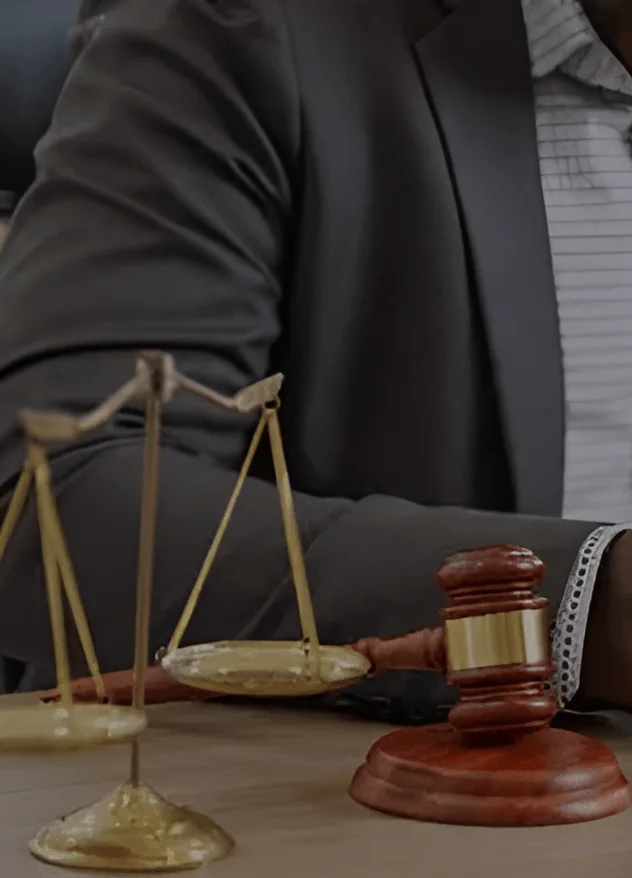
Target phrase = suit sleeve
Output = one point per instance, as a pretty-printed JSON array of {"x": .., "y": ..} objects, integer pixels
[
  {"x": 161, "y": 209},
  {"x": 162, "y": 215}
]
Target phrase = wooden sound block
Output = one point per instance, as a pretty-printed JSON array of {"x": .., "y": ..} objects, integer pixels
[{"x": 546, "y": 778}]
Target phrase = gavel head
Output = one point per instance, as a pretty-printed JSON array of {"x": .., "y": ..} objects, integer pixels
[{"x": 497, "y": 642}]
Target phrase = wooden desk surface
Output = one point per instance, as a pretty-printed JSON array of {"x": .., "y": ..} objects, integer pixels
[{"x": 276, "y": 780}]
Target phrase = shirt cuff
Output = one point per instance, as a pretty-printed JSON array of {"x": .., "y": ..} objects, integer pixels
[{"x": 569, "y": 629}]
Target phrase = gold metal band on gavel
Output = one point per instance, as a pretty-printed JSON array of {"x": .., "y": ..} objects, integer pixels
[{"x": 496, "y": 639}]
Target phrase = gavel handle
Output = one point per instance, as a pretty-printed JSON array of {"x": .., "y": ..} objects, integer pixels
[
  {"x": 160, "y": 688},
  {"x": 422, "y": 650}
]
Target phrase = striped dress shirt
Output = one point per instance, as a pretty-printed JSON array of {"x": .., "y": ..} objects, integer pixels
[
  {"x": 583, "y": 103},
  {"x": 583, "y": 98}
]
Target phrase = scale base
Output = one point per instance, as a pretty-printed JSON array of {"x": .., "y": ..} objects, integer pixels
[
  {"x": 132, "y": 829},
  {"x": 545, "y": 778}
]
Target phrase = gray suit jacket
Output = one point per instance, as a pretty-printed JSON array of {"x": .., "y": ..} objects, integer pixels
[{"x": 347, "y": 191}]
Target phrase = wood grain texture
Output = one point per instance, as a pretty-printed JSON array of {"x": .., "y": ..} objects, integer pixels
[
  {"x": 507, "y": 698},
  {"x": 497, "y": 762},
  {"x": 551, "y": 777},
  {"x": 277, "y": 780},
  {"x": 422, "y": 650}
]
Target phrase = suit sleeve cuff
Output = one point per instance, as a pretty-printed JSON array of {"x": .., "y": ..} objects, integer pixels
[{"x": 569, "y": 628}]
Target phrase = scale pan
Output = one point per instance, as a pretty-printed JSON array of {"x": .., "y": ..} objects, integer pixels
[
  {"x": 51, "y": 727},
  {"x": 273, "y": 669}
]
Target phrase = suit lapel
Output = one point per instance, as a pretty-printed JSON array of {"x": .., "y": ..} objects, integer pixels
[{"x": 476, "y": 68}]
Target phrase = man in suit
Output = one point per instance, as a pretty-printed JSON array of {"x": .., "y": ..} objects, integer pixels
[{"x": 370, "y": 196}]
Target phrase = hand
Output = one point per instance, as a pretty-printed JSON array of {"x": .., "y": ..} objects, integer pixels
[{"x": 606, "y": 678}]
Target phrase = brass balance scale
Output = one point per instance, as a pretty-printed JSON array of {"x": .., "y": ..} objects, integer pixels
[{"x": 134, "y": 828}]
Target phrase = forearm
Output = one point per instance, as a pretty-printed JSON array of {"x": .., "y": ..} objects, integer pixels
[
  {"x": 390, "y": 550},
  {"x": 371, "y": 564}
]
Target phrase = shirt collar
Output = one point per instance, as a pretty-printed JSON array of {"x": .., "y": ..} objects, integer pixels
[{"x": 561, "y": 38}]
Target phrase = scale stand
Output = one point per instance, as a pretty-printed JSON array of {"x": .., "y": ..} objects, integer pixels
[{"x": 134, "y": 829}]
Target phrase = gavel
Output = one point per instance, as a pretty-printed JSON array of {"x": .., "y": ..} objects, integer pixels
[
  {"x": 497, "y": 762},
  {"x": 493, "y": 647}
]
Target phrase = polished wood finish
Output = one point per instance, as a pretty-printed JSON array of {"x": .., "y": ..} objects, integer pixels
[
  {"x": 511, "y": 699},
  {"x": 497, "y": 763},
  {"x": 551, "y": 777},
  {"x": 422, "y": 650}
]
